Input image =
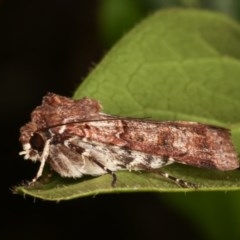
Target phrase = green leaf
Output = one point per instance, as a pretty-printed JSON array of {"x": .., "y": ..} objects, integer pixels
[{"x": 175, "y": 65}]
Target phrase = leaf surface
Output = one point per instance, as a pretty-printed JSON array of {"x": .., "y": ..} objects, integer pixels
[{"x": 175, "y": 65}]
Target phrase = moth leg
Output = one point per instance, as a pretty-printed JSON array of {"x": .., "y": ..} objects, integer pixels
[
  {"x": 179, "y": 182},
  {"x": 44, "y": 157},
  {"x": 114, "y": 176}
]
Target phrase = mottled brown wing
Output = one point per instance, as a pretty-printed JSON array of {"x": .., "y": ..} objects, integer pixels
[{"x": 189, "y": 143}]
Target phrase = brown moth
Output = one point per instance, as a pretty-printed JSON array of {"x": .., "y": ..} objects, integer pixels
[{"x": 77, "y": 139}]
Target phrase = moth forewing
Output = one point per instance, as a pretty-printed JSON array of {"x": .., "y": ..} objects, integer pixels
[{"x": 77, "y": 139}]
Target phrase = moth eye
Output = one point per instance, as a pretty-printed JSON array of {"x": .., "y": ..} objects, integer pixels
[{"x": 37, "y": 142}]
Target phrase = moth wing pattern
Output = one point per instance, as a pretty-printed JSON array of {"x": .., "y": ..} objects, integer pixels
[
  {"x": 77, "y": 157},
  {"x": 188, "y": 143}
]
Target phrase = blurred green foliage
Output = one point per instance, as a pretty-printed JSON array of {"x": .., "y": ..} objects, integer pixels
[{"x": 116, "y": 17}]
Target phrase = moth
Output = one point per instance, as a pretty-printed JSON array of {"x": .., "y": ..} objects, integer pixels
[{"x": 76, "y": 138}]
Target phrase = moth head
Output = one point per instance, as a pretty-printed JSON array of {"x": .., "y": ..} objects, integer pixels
[
  {"x": 33, "y": 142},
  {"x": 54, "y": 111}
]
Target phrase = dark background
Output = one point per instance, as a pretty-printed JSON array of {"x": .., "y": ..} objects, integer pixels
[{"x": 51, "y": 46}]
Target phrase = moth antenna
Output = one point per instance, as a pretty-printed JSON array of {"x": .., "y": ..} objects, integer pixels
[{"x": 113, "y": 118}]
